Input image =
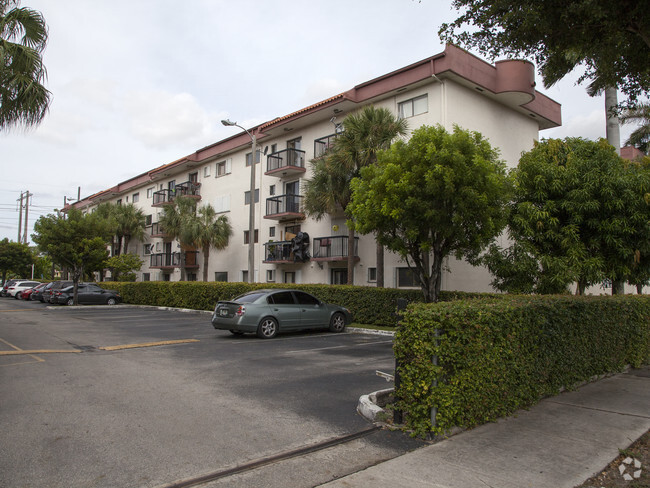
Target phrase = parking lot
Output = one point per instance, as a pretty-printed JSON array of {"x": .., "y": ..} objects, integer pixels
[{"x": 128, "y": 396}]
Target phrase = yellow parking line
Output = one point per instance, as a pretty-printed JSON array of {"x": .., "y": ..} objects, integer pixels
[
  {"x": 146, "y": 344},
  {"x": 18, "y": 350},
  {"x": 17, "y": 310},
  {"x": 37, "y": 351}
]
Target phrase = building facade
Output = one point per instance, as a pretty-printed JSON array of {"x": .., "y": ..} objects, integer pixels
[{"x": 450, "y": 88}]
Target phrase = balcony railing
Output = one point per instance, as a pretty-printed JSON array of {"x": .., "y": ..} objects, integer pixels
[
  {"x": 173, "y": 260},
  {"x": 285, "y": 162},
  {"x": 278, "y": 252},
  {"x": 189, "y": 189},
  {"x": 162, "y": 197},
  {"x": 157, "y": 230},
  {"x": 323, "y": 144},
  {"x": 284, "y": 207},
  {"x": 333, "y": 248}
]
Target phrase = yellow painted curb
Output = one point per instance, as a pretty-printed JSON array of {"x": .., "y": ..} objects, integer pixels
[
  {"x": 146, "y": 344},
  {"x": 37, "y": 351}
]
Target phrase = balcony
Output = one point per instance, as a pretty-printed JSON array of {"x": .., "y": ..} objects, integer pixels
[
  {"x": 333, "y": 248},
  {"x": 190, "y": 189},
  {"x": 278, "y": 252},
  {"x": 157, "y": 230},
  {"x": 162, "y": 197},
  {"x": 284, "y": 207},
  {"x": 173, "y": 260},
  {"x": 323, "y": 144},
  {"x": 287, "y": 162}
]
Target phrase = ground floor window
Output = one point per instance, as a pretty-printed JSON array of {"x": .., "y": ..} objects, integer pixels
[
  {"x": 406, "y": 278},
  {"x": 270, "y": 275},
  {"x": 289, "y": 276},
  {"x": 146, "y": 277},
  {"x": 372, "y": 275},
  {"x": 221, "y": 276},
  {"x": 167, "y": 277},
  {"x": 339, "y": 276},
  {"x": 191, "y": 276}
]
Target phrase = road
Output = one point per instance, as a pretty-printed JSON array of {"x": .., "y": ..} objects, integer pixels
[{"x": 140, "y": 397}]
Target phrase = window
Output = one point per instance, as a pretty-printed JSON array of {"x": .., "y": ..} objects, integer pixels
[
  {"x": 247, "y": 234},
  {"x": 147, "y": 249},
  {"x": 148, "y": 219},
  {"x": 135, "y": 198},
  {"x": 119, "y": 202},
  {"x": 272, "y": 190},
  {"x": 244, "y": 275},
  {"x": 274, "y": 148},
  {"x": 150, "y": 192},
  {"x": 191, "y": 276},
  {"x": 406, "y": 277},
  {"x": 282, "y": 298},
  {"x": 372, "y": 275},
  {"x": 414, "y": 106},
  {"x": 289, "y": 276},
  {"x": 222, "y": 203},
  {"x": 292, "y": 229},
  {"x": 193, "y": 177},
  {"x": 339, "y": 276},
  {"x": 270, "y": 275},
  {"x": 247, "y": 197},
  {"x": 206, "y": 171},
  {"x": 146, "y": 277},
  {"x": 224, "y": 167},
  {"x": 221, "y": 276},
  {"x": 271, "y": 231},
  {"x": 306, "y": 299},
  {"x": 171, "y": 185},
  {"x": 294, "y": 143},
  {"x": 248, "y": 158}
]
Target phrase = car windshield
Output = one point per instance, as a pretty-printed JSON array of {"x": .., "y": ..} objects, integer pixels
[{"x": 249, "y": 297}]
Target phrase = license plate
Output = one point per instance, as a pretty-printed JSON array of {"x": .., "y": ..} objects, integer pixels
[{"x": 223, "y": 312}]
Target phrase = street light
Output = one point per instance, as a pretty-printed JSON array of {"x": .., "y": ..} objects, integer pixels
[{"x": 251, "y": 215}]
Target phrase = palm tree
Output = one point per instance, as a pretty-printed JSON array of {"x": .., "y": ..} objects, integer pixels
[
  {"x": 130, "y": 224},
  {"x": 640, "y": 138},
  {"x": 364, "y": 135},
  {"x": 24, "y": 101},
  {"x": 207, "y": 230},
  {"x": 195, "y": 227}
]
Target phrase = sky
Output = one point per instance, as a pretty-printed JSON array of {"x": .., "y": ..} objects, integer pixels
[{"x": 140, "y": 83}]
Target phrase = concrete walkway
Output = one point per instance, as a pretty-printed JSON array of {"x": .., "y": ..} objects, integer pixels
[{"x": 558, "y": 443}]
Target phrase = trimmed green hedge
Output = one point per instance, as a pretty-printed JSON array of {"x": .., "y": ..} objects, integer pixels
[
  {"x": 497, "y": 356},
  {"x": 369, "y": 305}
]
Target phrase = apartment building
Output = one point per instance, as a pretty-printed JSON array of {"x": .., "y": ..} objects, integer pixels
[{"x": 452, "y": 87}]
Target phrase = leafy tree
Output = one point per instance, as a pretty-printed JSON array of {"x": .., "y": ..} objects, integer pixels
[
  {"x": 130, "y": 224},
  {"x": 364, "y": 134},
  {"x": 77, "y": 242},
  {"x": 438, "y": 194},
  {"x": 24, "y": 100},
  {"x": 14, "y": 258},
  {"x": 639, "y": 138},
  {"x": 123, "y": 267},
  {"x": 579, "y": 210},
  {"x": 195, "y": 227},
  {"x": 611, "y": 39}
]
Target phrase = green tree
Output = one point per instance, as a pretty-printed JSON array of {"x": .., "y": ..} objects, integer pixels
[
  {"x": 130, "y": 224},
  {"x": 24, "y": 100},
  {"x": 195, "y": 227},
  {"x": 14, "y": 258},
  {"x": 579, "y": 210},
  {"x": 77, "y": 242},
  {"x": 123, "y": 267},
  {"x": 640, "y": 137},
  {"x": 439, "y": 194},
  {"x": 610, "y": 39},
  {"x": 364, "y": 134}
]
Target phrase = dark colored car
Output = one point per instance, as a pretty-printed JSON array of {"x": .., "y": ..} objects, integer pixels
[
  {"x": 87, "y": 294},
  {"x": 37, "y": 292},
  {"x": 267, "y": 312},
  {"x": 27, "y": 294},
  {"x": 47, "y": 295}
]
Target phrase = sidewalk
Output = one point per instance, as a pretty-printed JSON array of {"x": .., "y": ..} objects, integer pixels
[{"x": 558, "y": 443}]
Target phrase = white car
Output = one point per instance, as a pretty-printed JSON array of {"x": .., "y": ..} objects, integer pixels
[{"x": 19, "y": 286}]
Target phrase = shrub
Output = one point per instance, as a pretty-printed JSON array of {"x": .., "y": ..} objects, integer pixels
[{"x": 497, "y": 356}]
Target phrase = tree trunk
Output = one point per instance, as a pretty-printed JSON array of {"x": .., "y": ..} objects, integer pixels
[
  {"x": 118, "y": 246},
  {"x": 639, "y": 289},
  {"x": 380, "y": 265},
  {"x": 350, "y": 255},
  {"x": 126, "y": 244},
  {"x": 613, "y": 128},
  {"x": 182, "y": 263},
  {"x": 618, "y": 287},
  {"x": 580, "y": 288},
  {"x": 206, "y": 257}
]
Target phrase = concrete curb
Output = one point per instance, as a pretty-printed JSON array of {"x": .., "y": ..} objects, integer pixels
[{"x": 368, "y": 406}]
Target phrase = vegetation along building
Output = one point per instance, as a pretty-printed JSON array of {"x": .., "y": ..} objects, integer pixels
[{"x": 452, "y": 87}]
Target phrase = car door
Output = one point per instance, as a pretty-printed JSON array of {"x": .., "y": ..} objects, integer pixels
[
  {"x": 285, "y": 309},
  {"x": 94, "y": 294},
  {"x": 313, "y": 312}
]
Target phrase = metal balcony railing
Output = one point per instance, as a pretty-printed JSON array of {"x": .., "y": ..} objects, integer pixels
[
  {"x": 333, "y": 248},
  {"x": 323, "y": 144},
  {"x": 286, "y": 159},
  {"x": 173, "y": 260},
  {"x": 278, "y": 251},
  {"x": 288, "y": 205}
]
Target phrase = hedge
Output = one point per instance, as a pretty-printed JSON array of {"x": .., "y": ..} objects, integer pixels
[
  {"x": 369, "y": 305},
  {"x": 498, "y": 356}
]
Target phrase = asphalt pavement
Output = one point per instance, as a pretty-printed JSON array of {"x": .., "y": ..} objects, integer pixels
[{"x": 558, "y": 443}]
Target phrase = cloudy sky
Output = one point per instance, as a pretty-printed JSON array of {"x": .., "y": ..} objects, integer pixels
[{"x": 140, "y": 83}]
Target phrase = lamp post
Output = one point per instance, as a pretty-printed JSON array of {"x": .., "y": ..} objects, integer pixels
[{"x": 251, "y": 214}]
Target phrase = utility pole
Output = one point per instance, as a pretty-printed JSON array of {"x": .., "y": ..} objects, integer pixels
[
  {"x": 20, "y": 216},
  {"x": 26, "y": 214},
  {"x": 24, "y": 196}
]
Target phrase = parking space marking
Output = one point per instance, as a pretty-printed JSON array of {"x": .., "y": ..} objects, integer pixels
[
  {"x": 147, "y": 344},
  {"x": 16, "y": 348},
  {"x": 37, "y": 351},
  {"x": 338, "y": 347}
]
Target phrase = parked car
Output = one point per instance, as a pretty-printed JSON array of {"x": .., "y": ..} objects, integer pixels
[
  {"x": 267, "y": 312},
  {"x": 87, "y": 294},
  {"x": 27, "y": 294},
  {"x": 7, "y": 284},
  {"x": 46, "y": 297},
  {"x": 36, "y": 293},
  {"x": 19, "y": 286}
]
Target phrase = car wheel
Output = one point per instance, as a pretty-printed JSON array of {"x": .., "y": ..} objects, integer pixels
[
  {"x": 111, "y": 301},
  {"x": 236, "y": 332},
  {"x": 16, "y": 296},
  {"x": 337, "y": 323},
  {"x": 268, "y": 328},
  {"x": 70, "y": 301}
]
